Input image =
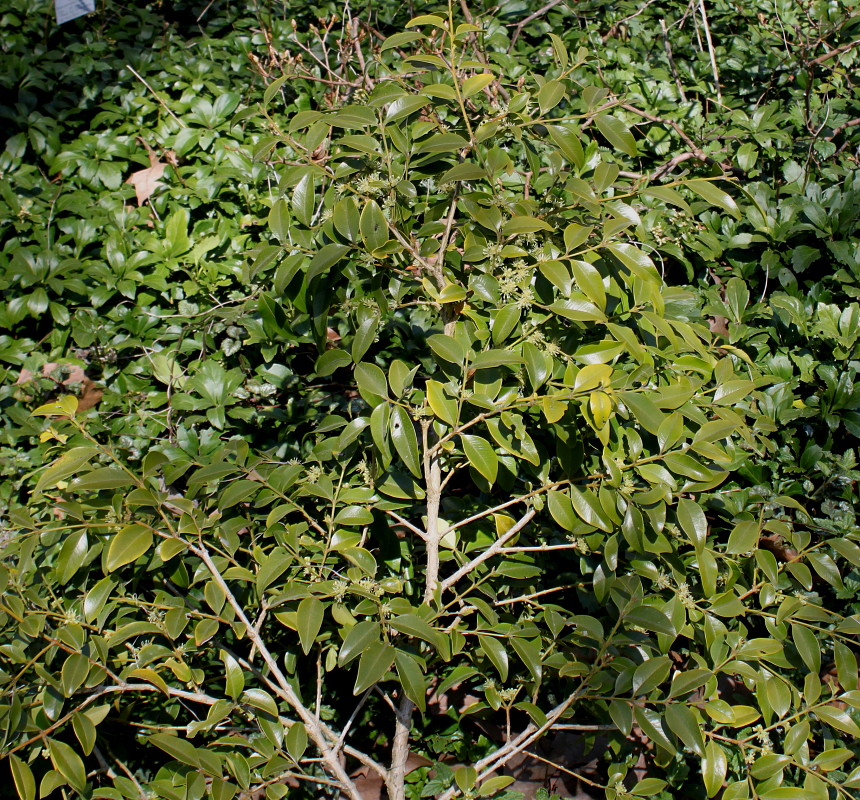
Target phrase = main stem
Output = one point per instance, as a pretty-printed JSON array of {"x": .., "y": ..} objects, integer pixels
[
  {"x": 433, "y": 482},
  {"x": 396, "y": 783}
]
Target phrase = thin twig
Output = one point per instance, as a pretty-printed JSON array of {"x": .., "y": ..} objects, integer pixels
[
  {"x": 711, "y": 50},
  {"x": 833, "y": 53},
  {"x": 668, "y": 48},
  {"x": 837, "y": 130},
  {"x": 531, "y": 18},
  {"x": 492, "y": 550},
  {"x": 613, "y": 31},
  {"x": 155, "y": 95},
  {"x": 406, "y": 523}
]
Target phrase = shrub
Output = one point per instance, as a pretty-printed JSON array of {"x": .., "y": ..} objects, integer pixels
[{"x": 520, "y": 505}]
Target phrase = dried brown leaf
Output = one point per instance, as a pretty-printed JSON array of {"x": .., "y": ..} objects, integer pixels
[{"x": 146, "y": 180}]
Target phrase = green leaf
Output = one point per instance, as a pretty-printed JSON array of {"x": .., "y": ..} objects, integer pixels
[
  {"x": 714, "y": 768},
  {"x": 427, "y": 19},
  {"x": 442, "y": 406},
  {"x": 711, "y": 194},
  {"x": 650, "y": 619},
  {"x": 683, "y": 723},
  {"x": 550, "y": 95},
  {"x": 234, "y": 676},
  {"x": 648, "y": 787},
  {"x": 68, "y": 763},
  {"x": 72, "y": 555},
  {"x": 128, "y": 546},
  {"x": 635, "y": 260},
  {"x": 567, "y": 140},
  {"x": 296, "y": 740},
  {"x": 807, "y": 645},
  {"x": 373, "y": 226},
  {"x": 404, "y": 439},
  {"x": 358, "y": 639},
  {"x": 837, "y": 718},
  {"x": 517, "y": 226},
  {"x": 411, "y": 678},
  {"x": 465, "y": 778},
  {"x": 693, "y": 522},
  {"x": 400, "y": 40},
  {"x": 303, "y": 199},
  {"x": 846, "y": 664},
  {"x": 650, "y": 674},
  {"x": 496, "y": 652},
  {"x": 443, "y": 143},
  {"x": 494, "y": 785},
  {"x": 372, "y": 385},
  {"x": 590, "y": 281},
  {"x": 373, "y": 663},
  {"x": 588, "y": 509},
  {"x": 364, "y": 337},
  {"x": 25, "y": 783},
  {"x": 561, "y": 510},
  {"x": 476, "y": 83},
  {"x": 481, "y": 455},
  {"x": 67, "y": 464},
  {"x": 616, "y": 133},
  {"x": 325, "y": 259},
  {"x": 176, "y": 748},
  {"x": 413, "y": 625},
  {"x": 85, "y": 732},
  {"x": 309, "y": 618},
  {"x": 652, "y": 726},
  {"x": 237, "y": 492},
  {"x": 102, "y": 478},
  {"x": 743, "y": 538},
  {"x": 447, "y": 348},
  {"x": 331, "y": 361},
  {"x": 74, "y": 672}
]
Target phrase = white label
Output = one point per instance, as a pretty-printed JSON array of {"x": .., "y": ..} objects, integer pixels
[{"x": 71, "y": 9}]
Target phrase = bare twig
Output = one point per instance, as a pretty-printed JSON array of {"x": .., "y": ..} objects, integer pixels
[
  {"x": 616, "y": 26},
  {"x": 833, "y": 53},
  {"x": 837, "y": 130},
  {"x": 406, "y": 523},
  {"x": 492, "y": 550},
  {"x": 531, "y": 18},
  {"x": 667, "y": 46},
  {"x": 155, "y": 95},
  {"x": 711, "y": 52}
]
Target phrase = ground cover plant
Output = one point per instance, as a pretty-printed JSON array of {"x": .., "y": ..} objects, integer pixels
[{"x": 458, "y": 405}]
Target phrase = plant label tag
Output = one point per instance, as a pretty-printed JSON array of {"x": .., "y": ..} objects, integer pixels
[{"x": 68, "y": 10}]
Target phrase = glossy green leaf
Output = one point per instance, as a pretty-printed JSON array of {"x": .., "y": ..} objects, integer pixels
[
  {"x": 127, "y": 546},
  {"x": 481, "y": 455},
  {"x": 375, "y": 660}
]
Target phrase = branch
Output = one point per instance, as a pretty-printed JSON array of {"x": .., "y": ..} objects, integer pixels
[
  {"x": 833, "y": 53},
  {"x": 414, "y": 528},
  {"x": 195, "y": 697},
  {"x": 319, "y": 734},
  {"x": 836, "y": 131},
  {"x": 531, "y": 18},
  {"x": 492, "y": 550},
  {"x": 400, "y": 750},
  {"x": 695, "y": 151}
]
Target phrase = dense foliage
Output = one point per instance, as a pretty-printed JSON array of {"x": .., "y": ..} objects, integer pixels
[{"x": 452, "y": 406}]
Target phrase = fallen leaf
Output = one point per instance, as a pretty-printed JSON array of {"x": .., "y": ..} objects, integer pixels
[
  {"x": 719, "y": 325},
  {"x": 146, "y": 180}
]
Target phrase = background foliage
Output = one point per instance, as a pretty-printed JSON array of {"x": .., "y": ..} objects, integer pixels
[{"x": 257, "y": 353}]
